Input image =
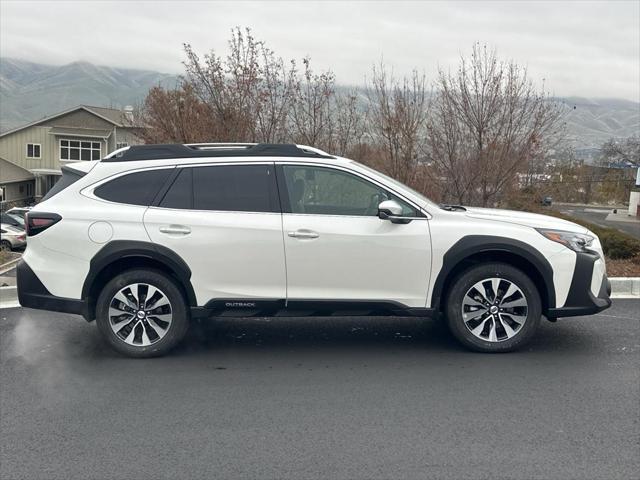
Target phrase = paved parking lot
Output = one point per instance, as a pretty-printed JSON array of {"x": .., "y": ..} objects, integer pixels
[
  {"x": 602, "y": 217},
  {"x": 321, "y": 398}
]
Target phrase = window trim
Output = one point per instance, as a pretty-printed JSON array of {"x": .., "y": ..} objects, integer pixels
[
  {"x": 26, "y": 151},
  {"x": 284, "y": 193},
  {"x": 80, "y": 148}
]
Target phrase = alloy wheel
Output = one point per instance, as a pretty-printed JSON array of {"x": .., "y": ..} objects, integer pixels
[
  {"x": 140, "y": 314},
  {"x": 494, "y": 309}
]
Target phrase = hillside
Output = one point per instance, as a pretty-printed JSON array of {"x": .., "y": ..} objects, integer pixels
[
  {"x": 590, "y": 122},
  {"x": 29, "y": 91}
]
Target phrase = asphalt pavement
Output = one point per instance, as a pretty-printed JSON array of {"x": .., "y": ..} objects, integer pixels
[
  {"x": 601, "y": 217},
  {"x": 321, "y": 398}
]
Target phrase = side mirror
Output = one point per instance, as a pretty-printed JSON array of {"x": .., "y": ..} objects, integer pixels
[{"x": 392, "y": 211}]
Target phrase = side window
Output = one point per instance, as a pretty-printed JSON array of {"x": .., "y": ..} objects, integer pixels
[
  {"x": 180, "y": 194},
  {"x": 236, "y": 188},
  {"x": 325, "y": 191},
  {"x": 135, "y": 188},
  {"x": 33, "y": 150}
]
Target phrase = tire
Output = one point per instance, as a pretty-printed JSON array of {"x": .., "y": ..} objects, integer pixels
[
  {"x": 163, "y": 323},
  {"x": 498, "y": 324},
  {"x": 5, "y": 245}
]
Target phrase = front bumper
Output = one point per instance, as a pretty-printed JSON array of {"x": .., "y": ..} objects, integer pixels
[
  {"x": 33, "y": 294},
  {"x": 581, "y": 299}
]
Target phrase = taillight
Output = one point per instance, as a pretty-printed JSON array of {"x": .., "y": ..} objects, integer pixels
[
  {"x": 21, "y": 237},
  {"x": 39, "y": 221}
]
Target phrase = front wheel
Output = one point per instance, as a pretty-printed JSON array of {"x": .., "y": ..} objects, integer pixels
[
  {"x": 493, "y": 307},
  {"x": 142, "y": 313}
]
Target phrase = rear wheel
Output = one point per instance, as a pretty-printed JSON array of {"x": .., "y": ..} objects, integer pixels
[
  {"x": 142, "y": 313},
  {"x": 493, "y": 307},
  {"x": 5, "y": 245}
]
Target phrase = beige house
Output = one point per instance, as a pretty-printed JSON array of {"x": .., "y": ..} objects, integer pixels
[{"x": 33, "y": 154}]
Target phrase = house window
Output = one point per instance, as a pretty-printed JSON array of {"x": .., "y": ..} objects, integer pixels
[
  {"x": 121, "y": 145},
  {"x": 79, "y": 150},
  {"x": 33, "y": 150}
]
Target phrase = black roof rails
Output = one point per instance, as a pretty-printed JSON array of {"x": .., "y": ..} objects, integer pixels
[{"x": 158, "y": 152}]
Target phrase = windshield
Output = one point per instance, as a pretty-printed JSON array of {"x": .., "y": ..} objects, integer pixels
[
  {"x": 398, "y": 184},
  {"x": 18, "y": 217}
]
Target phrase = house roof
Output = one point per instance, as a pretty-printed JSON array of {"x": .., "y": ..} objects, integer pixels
[
  {"x": 79, "y": 132},
  {"x": 111, "y": 115},
  {"x": 12, "y": 173}
]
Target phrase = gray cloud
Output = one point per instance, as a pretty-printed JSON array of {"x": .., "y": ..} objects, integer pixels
[{"x": 580, "y": 48}]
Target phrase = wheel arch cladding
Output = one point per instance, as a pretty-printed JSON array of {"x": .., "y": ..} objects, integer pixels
[
  {"x": 476, "y": 249},
  {"x": 120, "y": 255}
]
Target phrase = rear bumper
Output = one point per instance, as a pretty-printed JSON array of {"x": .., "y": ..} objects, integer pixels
[
  {"x": 33, "y": 294},
  {"x": 581, "y": 300}
]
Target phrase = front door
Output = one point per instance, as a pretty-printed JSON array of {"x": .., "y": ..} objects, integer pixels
[
  {"x": 225, "y": 222},
  {"x": 338, "y": 249}
]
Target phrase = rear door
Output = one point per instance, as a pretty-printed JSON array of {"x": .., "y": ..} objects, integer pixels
[{"x": 224, "y": 220}]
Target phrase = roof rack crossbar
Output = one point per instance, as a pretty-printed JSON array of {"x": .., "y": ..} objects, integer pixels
[
  {"x": 176, "y": 151},
  {"x": 205, "y": 146}
]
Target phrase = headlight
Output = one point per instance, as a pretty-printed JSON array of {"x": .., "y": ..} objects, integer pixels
[{"x": 578, "y": 242}]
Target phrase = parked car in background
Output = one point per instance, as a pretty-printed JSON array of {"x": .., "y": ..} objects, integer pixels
[
  {"x": 19, "y": 211},
  {"x": 546, "y": 201},
  {"x": 12, "y": 238},
  {"x": 152, "y": 236},
  {"x": 13, "y": 219}
]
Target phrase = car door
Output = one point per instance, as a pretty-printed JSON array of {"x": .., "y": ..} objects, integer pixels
[
  {"x": 337, "y": 248},
  {"x": 224, "y": 220}
]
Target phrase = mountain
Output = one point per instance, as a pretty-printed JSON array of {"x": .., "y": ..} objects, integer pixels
[
  {"x": 590, "y": 122},
  {"x": 29, "y": 91}
]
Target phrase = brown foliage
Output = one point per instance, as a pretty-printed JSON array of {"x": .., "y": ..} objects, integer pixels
[
  {"x": 176, "y": 115},
  {"x": 485, "y": 126}
]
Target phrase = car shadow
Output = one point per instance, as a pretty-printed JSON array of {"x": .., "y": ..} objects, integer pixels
[{"x": 340, "y": 334}]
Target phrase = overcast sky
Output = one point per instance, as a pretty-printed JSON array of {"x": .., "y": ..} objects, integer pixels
[{"x": 581, "y": 48}]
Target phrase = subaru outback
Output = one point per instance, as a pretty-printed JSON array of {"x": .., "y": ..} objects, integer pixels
[{"x": 153, "y": 236}]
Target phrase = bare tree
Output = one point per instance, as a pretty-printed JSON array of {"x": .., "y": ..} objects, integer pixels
[
  {"x": 397, "y": 118},
  {"x": 349, "y": 124},
  {"x": 311, "y": 112},
  {"x": 626, "y": 151},
  {"x": 176, "y": 115},
  {"x": 491, "y": 123},
  {"x": 249, "y": 92}
]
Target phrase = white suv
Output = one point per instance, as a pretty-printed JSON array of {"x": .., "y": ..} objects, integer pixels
[{"x": 155, "y": 235}]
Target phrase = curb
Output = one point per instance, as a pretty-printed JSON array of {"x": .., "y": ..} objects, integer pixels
[
  {"x": 625, "y": 287},
  {"x": 621, "y": 287},
  {"x": 9, "y": 297}
]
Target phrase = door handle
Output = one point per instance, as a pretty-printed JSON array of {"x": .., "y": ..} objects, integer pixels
[
  {"x": 175, "y": 229},
  {"x": 303, "y": 234}
]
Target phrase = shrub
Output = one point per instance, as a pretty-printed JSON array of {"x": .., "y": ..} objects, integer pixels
[{"x": 618, "y": 245}]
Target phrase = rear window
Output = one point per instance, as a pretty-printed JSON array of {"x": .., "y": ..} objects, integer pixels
[
  {"x": 138, "y": 188},
  {"x": 234, "y": 188}
]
